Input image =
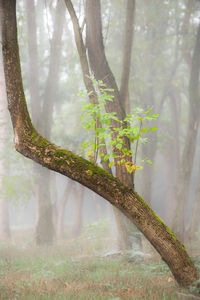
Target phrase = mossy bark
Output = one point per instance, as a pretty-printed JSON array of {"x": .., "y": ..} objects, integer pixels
[{"x": 32, "y": 145}]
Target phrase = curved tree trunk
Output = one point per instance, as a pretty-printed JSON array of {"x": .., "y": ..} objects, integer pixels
[{"x": 32, "y": 145}]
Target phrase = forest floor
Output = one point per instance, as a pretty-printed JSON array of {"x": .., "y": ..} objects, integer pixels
[{"x": 64, "y": 272}]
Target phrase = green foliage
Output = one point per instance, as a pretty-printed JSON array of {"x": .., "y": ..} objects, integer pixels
[
  {"x": 15, "y": 188},
  {"x": 105, "y": 128}
]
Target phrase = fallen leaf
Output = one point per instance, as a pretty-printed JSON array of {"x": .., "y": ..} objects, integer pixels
[{"x": 170, "y": 279}]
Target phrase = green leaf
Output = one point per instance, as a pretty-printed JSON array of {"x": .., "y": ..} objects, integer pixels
[
  {"x": 149, "y": 161},
  {"x": 153, "y": 128},
  {"x": 106, "y": 157},
  {"x": 139, "y": 167},
  {"x": 119, "y": 146},
  {"x": 110, "y": 164},
  {"x": 85, "y": 145}
]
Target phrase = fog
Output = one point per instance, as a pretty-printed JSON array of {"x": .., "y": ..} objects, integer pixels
[{"x": 42, "y": 207}]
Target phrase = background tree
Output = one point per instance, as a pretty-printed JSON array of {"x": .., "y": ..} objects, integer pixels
[
  {"x": 190, "y": 142},
  {"x": 123, "y": 240},
  {"x": 4, "y": 168},
  {"x": 42, "y": 111}
]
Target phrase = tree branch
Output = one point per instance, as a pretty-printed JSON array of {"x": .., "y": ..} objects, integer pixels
[{"x": 86, "y": 72}]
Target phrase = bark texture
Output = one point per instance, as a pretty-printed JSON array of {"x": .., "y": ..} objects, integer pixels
[{"x": 32, "y": 145}]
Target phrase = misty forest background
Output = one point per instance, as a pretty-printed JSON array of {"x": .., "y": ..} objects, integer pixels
[{"x": 45, "y": 207}]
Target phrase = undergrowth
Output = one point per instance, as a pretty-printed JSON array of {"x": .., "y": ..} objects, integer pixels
[{"x": 64, "y": 272}]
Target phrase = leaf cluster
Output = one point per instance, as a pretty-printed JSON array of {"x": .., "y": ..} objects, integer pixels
[{"x": 106, "y": 129}]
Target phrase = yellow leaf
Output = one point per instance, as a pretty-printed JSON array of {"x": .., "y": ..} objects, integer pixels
[{"x": 130, "y": 167}]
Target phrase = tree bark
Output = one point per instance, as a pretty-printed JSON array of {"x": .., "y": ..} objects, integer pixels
[{"x": 32, "y": 145}]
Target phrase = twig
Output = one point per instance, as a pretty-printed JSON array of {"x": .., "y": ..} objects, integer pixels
[{"x": 136, "y": 150}]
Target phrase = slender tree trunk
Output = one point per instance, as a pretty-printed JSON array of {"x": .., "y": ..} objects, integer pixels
[
  {"x": 102, "y": 71},
  {"x": 172, "y": 160},
  {"x": 47, "y": 113},
  {"x": 78, "y": 210},
  {"x": 194, "y": 220},
  {"x": 33, "y": 74},
  {"x": 4, "y": 214},
  {"x": 44, "y": 227},
  {"x": 93, "y": 97},
  {"x": 169, "y": 185},
  {"x": 97, "y": 206},
  {"x": 127, "y": 51},
  {"x": 61, "y": 210},
  {"x": 54, "y": 67},
  {"x": 182, "y": 191},
  {"x": 183, "y": 183},
  {"x": 42, "y": 114},
  {"x": 54, "y": 197},
  {"x": 153, "y": 54},
  {"x": 32, "y": 145}
]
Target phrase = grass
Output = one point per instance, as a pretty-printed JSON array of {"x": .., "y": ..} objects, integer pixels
[
  {"x": 63, "y": 272},
  {"x": 51, "y": 276}
]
